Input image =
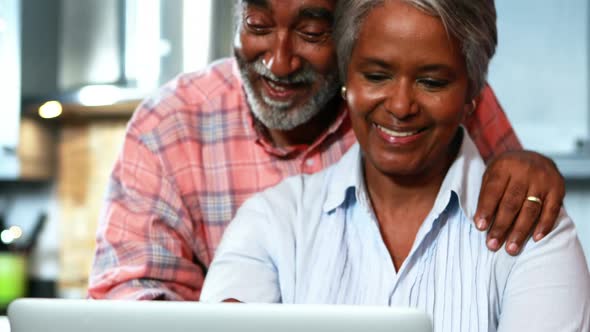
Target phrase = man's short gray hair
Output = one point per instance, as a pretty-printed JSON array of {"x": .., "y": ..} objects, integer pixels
[{"x": 472, "y": 22}]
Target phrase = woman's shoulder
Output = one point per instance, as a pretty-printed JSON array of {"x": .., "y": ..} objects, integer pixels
[
  {"x": 558, "y": 258},
  {"x": 549, "y": 277},
  {"x": 562, "y": 240}
]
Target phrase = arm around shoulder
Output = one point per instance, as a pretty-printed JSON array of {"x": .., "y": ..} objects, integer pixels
[{"x": 490, "y": 128}]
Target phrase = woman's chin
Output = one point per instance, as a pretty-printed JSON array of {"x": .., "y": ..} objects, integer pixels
[{"x": 398, "y": 167}]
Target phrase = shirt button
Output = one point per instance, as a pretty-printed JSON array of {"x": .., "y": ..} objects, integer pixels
[{"x": 309, "y": 162}]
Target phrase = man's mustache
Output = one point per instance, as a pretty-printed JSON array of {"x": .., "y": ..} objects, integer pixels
[{"x": 305, "y": 75}]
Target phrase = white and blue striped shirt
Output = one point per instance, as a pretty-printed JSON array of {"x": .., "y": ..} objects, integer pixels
[{"x": 314, "y": 239}]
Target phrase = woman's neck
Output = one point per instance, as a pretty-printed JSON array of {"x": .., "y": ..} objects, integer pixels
[
  {"x": 390, "y": 192},
  {"x": 401, "y": 203},
  {"x": 406, "y": 194}
]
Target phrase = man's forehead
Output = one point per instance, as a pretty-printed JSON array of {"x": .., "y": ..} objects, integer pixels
[
  {"x": 294, "y": 3},
  {"x": 259, "y": 3},
  {"x": 313, "y": 9}
]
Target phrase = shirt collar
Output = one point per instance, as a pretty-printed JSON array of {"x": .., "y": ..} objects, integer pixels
[
  {"x": 347, "y": 173},
  {"x": 463, "y": 179}
]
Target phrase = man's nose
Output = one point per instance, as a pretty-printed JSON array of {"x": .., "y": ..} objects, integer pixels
[
  {"x": 282, "y": 58},
  {"x": 400, "y": 101}
]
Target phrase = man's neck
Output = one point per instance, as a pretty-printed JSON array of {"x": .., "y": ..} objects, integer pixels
[{"x": 308, "y": 132}]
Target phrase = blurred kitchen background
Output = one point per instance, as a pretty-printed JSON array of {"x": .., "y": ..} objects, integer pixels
[{"x": 72, "y": 71}]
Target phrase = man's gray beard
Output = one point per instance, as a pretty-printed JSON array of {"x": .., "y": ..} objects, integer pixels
[{"x": 280, "y": 115}]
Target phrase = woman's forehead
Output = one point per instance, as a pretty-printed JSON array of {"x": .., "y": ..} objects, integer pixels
[{"x": 397, "y": 37}]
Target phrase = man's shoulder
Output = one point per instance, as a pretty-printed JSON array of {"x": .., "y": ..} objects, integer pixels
[
  {"x": 218, "y": 80},
  {"x": 203, "y": 106},
  {"x": 215, "y": 90}
]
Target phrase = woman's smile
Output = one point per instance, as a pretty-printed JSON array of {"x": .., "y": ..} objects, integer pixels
[{"x": 399, "y": 136}]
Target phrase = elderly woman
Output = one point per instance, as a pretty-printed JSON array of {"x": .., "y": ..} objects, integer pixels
[{"x": 390, "y": 224}]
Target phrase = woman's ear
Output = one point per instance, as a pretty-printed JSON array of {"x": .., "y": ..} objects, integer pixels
[
  {"x": 471, "y": 105},
  {"x": 469, "y": 108}
]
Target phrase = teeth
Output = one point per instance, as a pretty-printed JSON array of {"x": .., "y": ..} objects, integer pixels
[
  {"x": 276, "y": 86},
  {"x": 397, "y": 133}
]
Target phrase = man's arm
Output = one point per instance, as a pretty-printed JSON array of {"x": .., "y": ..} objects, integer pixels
[
  {"x": 512, "y": 176},
  {"x": 144, "y": 242},
  {"x": 489, "y": 127}
]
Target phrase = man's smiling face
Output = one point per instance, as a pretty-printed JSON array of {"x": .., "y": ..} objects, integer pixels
[{"x": 287, "y": 59}]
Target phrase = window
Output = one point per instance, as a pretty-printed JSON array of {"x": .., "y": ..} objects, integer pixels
[
  {"x": 10, "y": 86},
  {"x": 541, "y": 72},
  {"x": 159, "y": 45}
]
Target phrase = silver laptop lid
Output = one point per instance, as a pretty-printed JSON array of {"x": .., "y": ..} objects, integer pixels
[{"x": 53, "y": 315}]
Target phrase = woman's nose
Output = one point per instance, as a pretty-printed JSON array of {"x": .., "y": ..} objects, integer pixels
[
  {"x": 400, "y": 99},
  {"x": 282, "y": 59}
]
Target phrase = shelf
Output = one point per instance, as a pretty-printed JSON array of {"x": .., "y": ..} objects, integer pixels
[
  {"x": 78, "y": 112},
  {"x": 573, "y": 167}
]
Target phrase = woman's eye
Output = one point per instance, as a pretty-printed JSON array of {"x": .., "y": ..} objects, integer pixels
[
  {"x": 375, "y": 77},
  {"x": 433, "y": 84}
]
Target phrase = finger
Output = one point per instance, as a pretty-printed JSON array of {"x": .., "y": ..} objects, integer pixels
[
  {"x": 506, "y": 213},
  {"x": 491, "y": 193},
  {"x": 550, "y": 211},
  {"x": 523, "y": 227}
]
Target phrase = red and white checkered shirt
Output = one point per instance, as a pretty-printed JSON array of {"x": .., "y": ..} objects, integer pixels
[{"x": 191, "y": 157}]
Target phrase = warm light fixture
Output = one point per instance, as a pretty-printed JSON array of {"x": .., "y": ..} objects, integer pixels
[
  {"x": 51, "y": 109},
  {"x": 16, "y": 231},
  {"x": 6, "y": 237}
]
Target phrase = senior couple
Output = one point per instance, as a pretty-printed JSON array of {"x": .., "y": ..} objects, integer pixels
[{"x": 394, "y": 219}]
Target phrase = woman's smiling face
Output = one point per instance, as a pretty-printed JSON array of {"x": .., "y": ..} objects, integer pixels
[{"x": 407, "y": 90}]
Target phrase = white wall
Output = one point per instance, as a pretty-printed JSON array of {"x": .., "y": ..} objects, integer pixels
[{"x": 541, "y": 71}]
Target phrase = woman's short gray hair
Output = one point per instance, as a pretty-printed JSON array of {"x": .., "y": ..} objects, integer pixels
[{"x": 472, "y": 22}]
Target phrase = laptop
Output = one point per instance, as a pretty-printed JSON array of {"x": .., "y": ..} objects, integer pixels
[{"x": 58, "y": 315}]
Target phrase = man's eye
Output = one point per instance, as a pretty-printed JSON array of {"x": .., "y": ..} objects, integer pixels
[
  {"x": 314, "y": 36},
  {"x": 256, "y": 26},
  {"x": 433, "y": 84},
  {"x": 313, "y": 31},
  {"x": 375, "y": 77},
  {"x": 258, "y": 29}
]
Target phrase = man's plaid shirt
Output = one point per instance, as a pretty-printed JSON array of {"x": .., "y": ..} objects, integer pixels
[{"x": 192, "y": 155}]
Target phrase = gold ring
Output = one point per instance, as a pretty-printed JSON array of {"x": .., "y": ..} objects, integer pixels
[{"x": 535, "y": 199}]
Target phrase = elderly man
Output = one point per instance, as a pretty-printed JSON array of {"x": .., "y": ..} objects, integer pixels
[{"x": 209, "y": 140}]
